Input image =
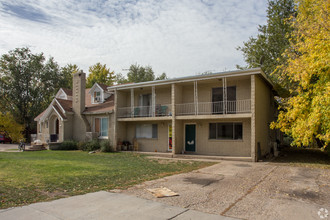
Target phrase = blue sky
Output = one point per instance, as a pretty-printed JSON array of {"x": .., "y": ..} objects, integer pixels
[{"x": 178, "y": 37}]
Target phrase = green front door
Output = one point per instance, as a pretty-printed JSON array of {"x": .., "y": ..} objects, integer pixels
[{"x": 190, "y": 140}]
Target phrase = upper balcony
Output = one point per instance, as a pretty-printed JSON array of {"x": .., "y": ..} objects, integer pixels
[
  {"x": 161, "y": 110},
  {"x": 210, "y": 97}
]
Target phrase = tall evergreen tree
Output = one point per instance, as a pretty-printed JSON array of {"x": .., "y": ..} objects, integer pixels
[{"x": 266, "y": 49}]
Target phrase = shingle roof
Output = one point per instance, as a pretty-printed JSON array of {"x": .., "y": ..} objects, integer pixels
[
  {"x": 59, "y": 111},
  {"x": 103, "y": 86},
  {"x": 65, "y": 104},
  {"x": 68, "y": 92},
  {"x": 107, "y": 105},
  {"x": 40, "y": 115}
]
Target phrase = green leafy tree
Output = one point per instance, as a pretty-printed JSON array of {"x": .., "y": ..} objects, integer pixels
[
  {"x": 138, "y": 73},
  {"x": 121, "y": 79},
  {"x": 162, "y": 77},
  {"x": 27, "y": 84},
  {"x": 266, "y": 49},
  {"x": 99, "y": 73},
  {"x": 305, "y": 115},
  {"x": 67, "y": 72}
]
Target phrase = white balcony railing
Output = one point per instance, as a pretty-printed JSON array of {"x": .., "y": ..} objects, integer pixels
[
  {"x": 209, "y": 108},
  {"x": 144, "y": 111},
  {"x": 200, "y": 108}
]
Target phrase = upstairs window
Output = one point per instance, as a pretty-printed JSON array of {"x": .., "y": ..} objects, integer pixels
[{"x": 97, "y": 97}]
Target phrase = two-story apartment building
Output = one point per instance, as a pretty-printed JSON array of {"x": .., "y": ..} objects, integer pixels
[{"x": 223, "y": 114}]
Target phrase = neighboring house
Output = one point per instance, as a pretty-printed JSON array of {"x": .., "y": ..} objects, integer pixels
[
  {"x": 77, "y": 115},
  {"x": 223, "y": 114}
]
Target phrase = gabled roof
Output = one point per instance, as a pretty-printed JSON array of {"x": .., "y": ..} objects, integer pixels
[
  {"x": 59, "y": 112},
  {"x": 64, "y": 106},
  {"x": 103, "y": 86},
  {"x": 39, "y": 116},
  {"x": 99, "y": 85},
  {"x": 106, "y": 106}
]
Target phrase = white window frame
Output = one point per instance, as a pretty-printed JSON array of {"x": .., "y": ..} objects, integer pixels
[
  {"x": 101, "y": 118},
  {"x": 97, "y": 89}
]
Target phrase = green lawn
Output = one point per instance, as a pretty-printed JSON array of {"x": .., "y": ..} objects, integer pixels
[{"x": 29, "y": 177}]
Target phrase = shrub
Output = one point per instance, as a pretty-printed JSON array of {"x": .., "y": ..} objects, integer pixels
[
  {"x": 65, "y": 145},
  {"x": 91, "y": 145},
  {"x": 105, "y": 146},
  {"x": 81, "y": 145}
]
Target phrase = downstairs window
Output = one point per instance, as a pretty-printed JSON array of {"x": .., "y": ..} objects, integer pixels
[
  {"x": 146, "y": 131},
  {"x": 101, "y": 127},
  {"x": 226, "y": 131}
]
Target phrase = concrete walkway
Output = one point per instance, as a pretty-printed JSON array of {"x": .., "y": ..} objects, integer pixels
[
  {"x": 103, "y": 205},
  {"x": 8, "y": 147}
]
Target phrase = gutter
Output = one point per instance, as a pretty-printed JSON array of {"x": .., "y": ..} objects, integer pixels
[
  {"x": 98, "y": 113},
  {"x": 192, "y": 78}
]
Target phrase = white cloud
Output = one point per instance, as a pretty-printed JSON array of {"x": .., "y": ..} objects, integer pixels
[{"x": 176, "y": 37}]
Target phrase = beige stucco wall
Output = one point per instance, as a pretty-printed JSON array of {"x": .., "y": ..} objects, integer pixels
[
  {"x": 220, "y": 147},
  {"x": 122, "y": 99},
  {"x": 179, "y": 137},
  {"x": 264, "y": 110},
  {"x": 159, "y": 144},
  {"x": 67, "y": 128},
  {"x": 243, "y": 88},
  {"x": 163, "y": 96},
  {"x": 44, "y": 134},
  {"x": 121, "y": 131},
  {"x": 203, "y": 144},
  {"x": 111, "y": 129}
]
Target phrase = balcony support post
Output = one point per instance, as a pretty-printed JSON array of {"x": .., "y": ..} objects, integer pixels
[
  {"x": 132, "y": 103},
  {"x": 173, "y": 103},
  {"x": 153, "y": 101},
  {"x": 224, "y": 93},
  {"x": 196, "y": 97}
]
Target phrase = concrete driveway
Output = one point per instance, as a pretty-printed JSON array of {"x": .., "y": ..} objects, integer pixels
[{"x": 247, "y": 191}]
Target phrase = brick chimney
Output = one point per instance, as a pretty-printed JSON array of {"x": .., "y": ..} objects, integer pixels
[
  {"x": 79, "y": 85},
  {"x": 80, "y": 126}
]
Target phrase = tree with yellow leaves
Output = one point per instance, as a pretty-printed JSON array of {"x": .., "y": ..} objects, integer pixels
[
  {"x": 11, "y": 127},
  {"x": 99, "y": 73},
  {"x": 305, "y": 115}
]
